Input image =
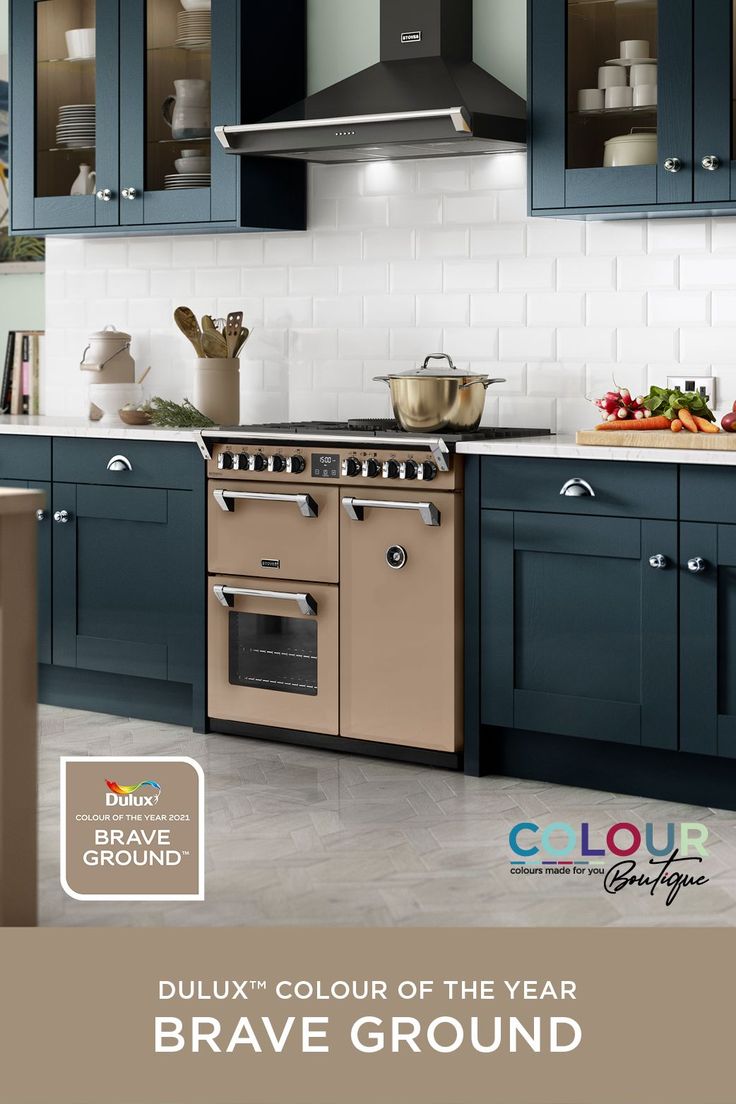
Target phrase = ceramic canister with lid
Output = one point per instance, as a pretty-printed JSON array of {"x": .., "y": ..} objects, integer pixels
[{"x": 108, "y": 355}]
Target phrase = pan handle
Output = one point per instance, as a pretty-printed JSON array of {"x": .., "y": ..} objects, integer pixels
[{"x": 485, "y": 383}]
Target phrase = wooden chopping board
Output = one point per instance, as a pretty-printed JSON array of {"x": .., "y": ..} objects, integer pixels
[{"x": 654, "y": 438}]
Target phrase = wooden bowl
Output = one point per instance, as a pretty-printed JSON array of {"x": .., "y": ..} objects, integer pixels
[{"x": 135, "y": 417}]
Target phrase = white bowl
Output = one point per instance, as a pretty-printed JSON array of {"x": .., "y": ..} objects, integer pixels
[
  {"x": 192, "y": 164},
  {"x": 196, "y": 5},
  {"x": 630, "y": 149},
  {"x": 80, "y": 43},
  {"x": 111, "y": 397},
  {"x": 192, "y": 152}
]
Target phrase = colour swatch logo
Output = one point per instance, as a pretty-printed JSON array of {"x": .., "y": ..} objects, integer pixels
[{"x": 126, "y": 795}]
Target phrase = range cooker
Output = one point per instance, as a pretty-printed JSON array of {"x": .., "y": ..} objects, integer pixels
[{"x": 335, "y": 585}]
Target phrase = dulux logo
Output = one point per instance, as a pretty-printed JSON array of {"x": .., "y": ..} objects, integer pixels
[{"x": 128, "y": 795}]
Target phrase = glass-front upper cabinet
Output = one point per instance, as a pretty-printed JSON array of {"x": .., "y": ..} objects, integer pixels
[
  {"x": 180, "y": 75},
  {"x": 65, "y": 101},
  {"x": 612, "y": 102},
  {"x": 714, "y": 158}
]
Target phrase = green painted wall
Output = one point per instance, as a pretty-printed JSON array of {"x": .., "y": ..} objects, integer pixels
[
  {"x": 343, "y": 38},
  {"x": 21, "y": 297}
]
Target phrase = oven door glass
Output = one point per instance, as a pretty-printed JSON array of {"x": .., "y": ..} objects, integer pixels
[{"x": 278, "y": 654}]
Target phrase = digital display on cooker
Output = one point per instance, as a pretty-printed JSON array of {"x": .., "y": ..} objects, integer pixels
[{"x": 325, "y": 465}]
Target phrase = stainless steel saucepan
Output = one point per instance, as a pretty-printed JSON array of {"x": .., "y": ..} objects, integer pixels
[{"x": 431, "y": 399}]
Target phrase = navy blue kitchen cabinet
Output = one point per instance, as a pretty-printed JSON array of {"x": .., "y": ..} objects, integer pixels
[
  {"x": 112, "y": 112},
  {"x": 689, "y": 131}
]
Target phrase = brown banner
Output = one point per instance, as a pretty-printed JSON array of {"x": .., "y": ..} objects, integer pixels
[{"x": 652, "y": 1010}]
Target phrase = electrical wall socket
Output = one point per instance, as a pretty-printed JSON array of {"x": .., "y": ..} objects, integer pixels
[{"x": 706, "y": 385}]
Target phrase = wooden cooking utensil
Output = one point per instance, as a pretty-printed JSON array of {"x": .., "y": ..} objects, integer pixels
[
  {"x": 208, "y": 323},
  {"x": 232, "y": 331},
  {"x": 214, "y": 345},
  {"x": 189, "y": 326},
  {"x": 242, "y": 338}
]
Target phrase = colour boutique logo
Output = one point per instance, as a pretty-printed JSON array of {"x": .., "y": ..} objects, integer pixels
[
  {"x": 666, "y": 857},
  {"x": 128, "y": 795}
]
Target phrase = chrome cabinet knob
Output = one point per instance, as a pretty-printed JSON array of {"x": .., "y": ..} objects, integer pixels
[
  {"x": 577, "y": 488},
  {"x": 658, "y": 562},
  {"x": 129, "y": 193},
  {"x": 104, "y": 195},
  {"x": 61, "y": 516},
  {"x": 711, "y": 163},
  {"x": 673, "y": 165},
  {"x": 41, "y": 515},
  {"x": 697, "y": 565}
]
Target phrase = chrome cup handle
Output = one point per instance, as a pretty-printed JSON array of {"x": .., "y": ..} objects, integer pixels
[{"x": 485, "y": 383}]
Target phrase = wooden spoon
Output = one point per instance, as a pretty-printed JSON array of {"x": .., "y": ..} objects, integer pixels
[
  {"x": 189, "y": 326},
  {"x": 214, "y": 345}
]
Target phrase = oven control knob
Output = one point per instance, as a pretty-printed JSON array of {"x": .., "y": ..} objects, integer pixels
[
  {"x": 226, "y": 461},
  {"x": 278, "y": 464},
  {"x": 352, "y": 468},
  {"x": 391, "y": 469},
  {"x": 371, "y": 469},
  {"x": 297, "y": 465},
  {"x": 429, "y": 471},
  {"x": 260, "y": 463},
  {"x": 411, "y": 469}
]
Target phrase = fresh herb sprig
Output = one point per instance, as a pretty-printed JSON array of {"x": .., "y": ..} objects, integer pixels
[
  {"x": 663, "y": 400},
  {"x": 173, "y": 415}
]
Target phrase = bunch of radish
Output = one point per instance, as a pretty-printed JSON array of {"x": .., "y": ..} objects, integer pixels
[{"x": 620, "y": 405}]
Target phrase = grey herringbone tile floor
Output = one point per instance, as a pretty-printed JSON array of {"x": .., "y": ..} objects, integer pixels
[{"x": 295, "y": 836}]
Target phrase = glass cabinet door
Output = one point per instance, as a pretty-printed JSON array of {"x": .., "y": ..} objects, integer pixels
[
  {"x": 714, "y": 157},
  {"x": 180, "y": 77},
  {"x": 67, "y": 100}
]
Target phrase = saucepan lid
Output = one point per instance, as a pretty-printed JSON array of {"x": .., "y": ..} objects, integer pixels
[{"x": 432, "y": 371}]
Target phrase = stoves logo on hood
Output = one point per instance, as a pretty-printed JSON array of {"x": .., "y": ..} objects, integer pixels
[{"x": 128, "y": 795}]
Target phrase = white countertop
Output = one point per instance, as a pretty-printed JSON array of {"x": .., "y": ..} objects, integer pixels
[
  {"x": 42, "y": 426},
  {"x": 564, "y": 447}
]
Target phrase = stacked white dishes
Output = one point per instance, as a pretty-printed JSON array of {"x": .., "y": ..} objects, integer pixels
[
  {"x": 192, "y": 170},
  {"x": 76, "y": 126},
  {"x": 177, "y": 181},
  {"x": 194, "y": 29}
]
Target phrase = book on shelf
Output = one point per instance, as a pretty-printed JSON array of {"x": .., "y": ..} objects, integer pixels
[{"x": 19, "y": 389}]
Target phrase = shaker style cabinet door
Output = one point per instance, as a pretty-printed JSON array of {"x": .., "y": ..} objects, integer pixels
[
  {"x": 125, "y": 581},
  {"x": 43, "y": 645},
  {"x": 714, "y": 159},
  {"x": 64, "y": 114},
  {"x": 630, "y": 144},
  {"x": 579, "y": 626}
]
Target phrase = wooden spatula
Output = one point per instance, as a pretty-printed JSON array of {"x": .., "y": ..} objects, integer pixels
[{"x": 232, "y": 332}]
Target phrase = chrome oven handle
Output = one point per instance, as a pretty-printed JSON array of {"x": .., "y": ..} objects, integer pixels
[
  {"x": 226, "y": 500},
  {"x": 354, "y": 508},
  {"x": 226, "y": 596}
]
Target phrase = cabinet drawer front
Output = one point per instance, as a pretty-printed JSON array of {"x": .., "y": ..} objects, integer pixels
[
  {"x": 708, "y": 494},
  {"x": 25, "y": 457},
  {"x": 619, "y": 490},
  {"x": 153, "y": 464}
]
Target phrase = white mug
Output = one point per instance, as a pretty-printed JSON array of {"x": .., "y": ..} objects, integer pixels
[
  {"x": 611, "y": 76},
  {"x": 619, "y": 97},
  {"x": 645, "y": 95},
  {"x": 633, "y": 48},
  {"x": 591, "y": 99},
  {"x": 643, "y": 74}
]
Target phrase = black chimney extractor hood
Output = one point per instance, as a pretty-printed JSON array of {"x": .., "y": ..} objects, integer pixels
[{"x": 425, "y": 98}]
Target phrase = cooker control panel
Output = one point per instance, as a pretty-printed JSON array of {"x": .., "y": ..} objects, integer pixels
[{"x": 352, "y": 466}]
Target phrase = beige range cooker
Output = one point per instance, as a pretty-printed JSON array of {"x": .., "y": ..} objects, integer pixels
[{"x": 335, "y": 589}]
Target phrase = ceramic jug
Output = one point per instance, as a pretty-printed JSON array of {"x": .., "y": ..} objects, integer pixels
[
  {"x": 85, "y": 182},
  {"x": 188, "y": 112}
]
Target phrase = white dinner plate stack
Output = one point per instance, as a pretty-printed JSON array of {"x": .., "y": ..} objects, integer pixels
[
  {"x": 177, "y": 181},
  {"x": 193, "y": 29},
  {"x": 76, "y": 126}
]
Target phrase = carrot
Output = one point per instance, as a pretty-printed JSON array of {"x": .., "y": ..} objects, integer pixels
[
  {"x": 706, "y": 426},
  {"x": 634, "y": 423},
  {"x": 676, "y": 425},
  {"x": 688, "y": 421}
]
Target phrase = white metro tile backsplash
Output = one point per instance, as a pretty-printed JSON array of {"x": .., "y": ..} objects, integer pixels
[{"x": 402, "y": 260}]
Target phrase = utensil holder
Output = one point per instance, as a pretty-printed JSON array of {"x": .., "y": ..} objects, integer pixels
[{"x": 217, "y": 389}]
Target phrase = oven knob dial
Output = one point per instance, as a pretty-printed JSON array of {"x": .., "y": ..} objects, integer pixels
[
  {"x": 391, "y": 469},
  {"x": 226, "y": 461},
  {"x": 277, "y": 464},
  {"x": 297, "y": 464},
  {"x": 429, "y": 471},
  {"x": 259, "y": 462},
  {"x": 352, "y": 468},
  {"x": 411, "y": 469},
  {"x": 371, "y": 469}
]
